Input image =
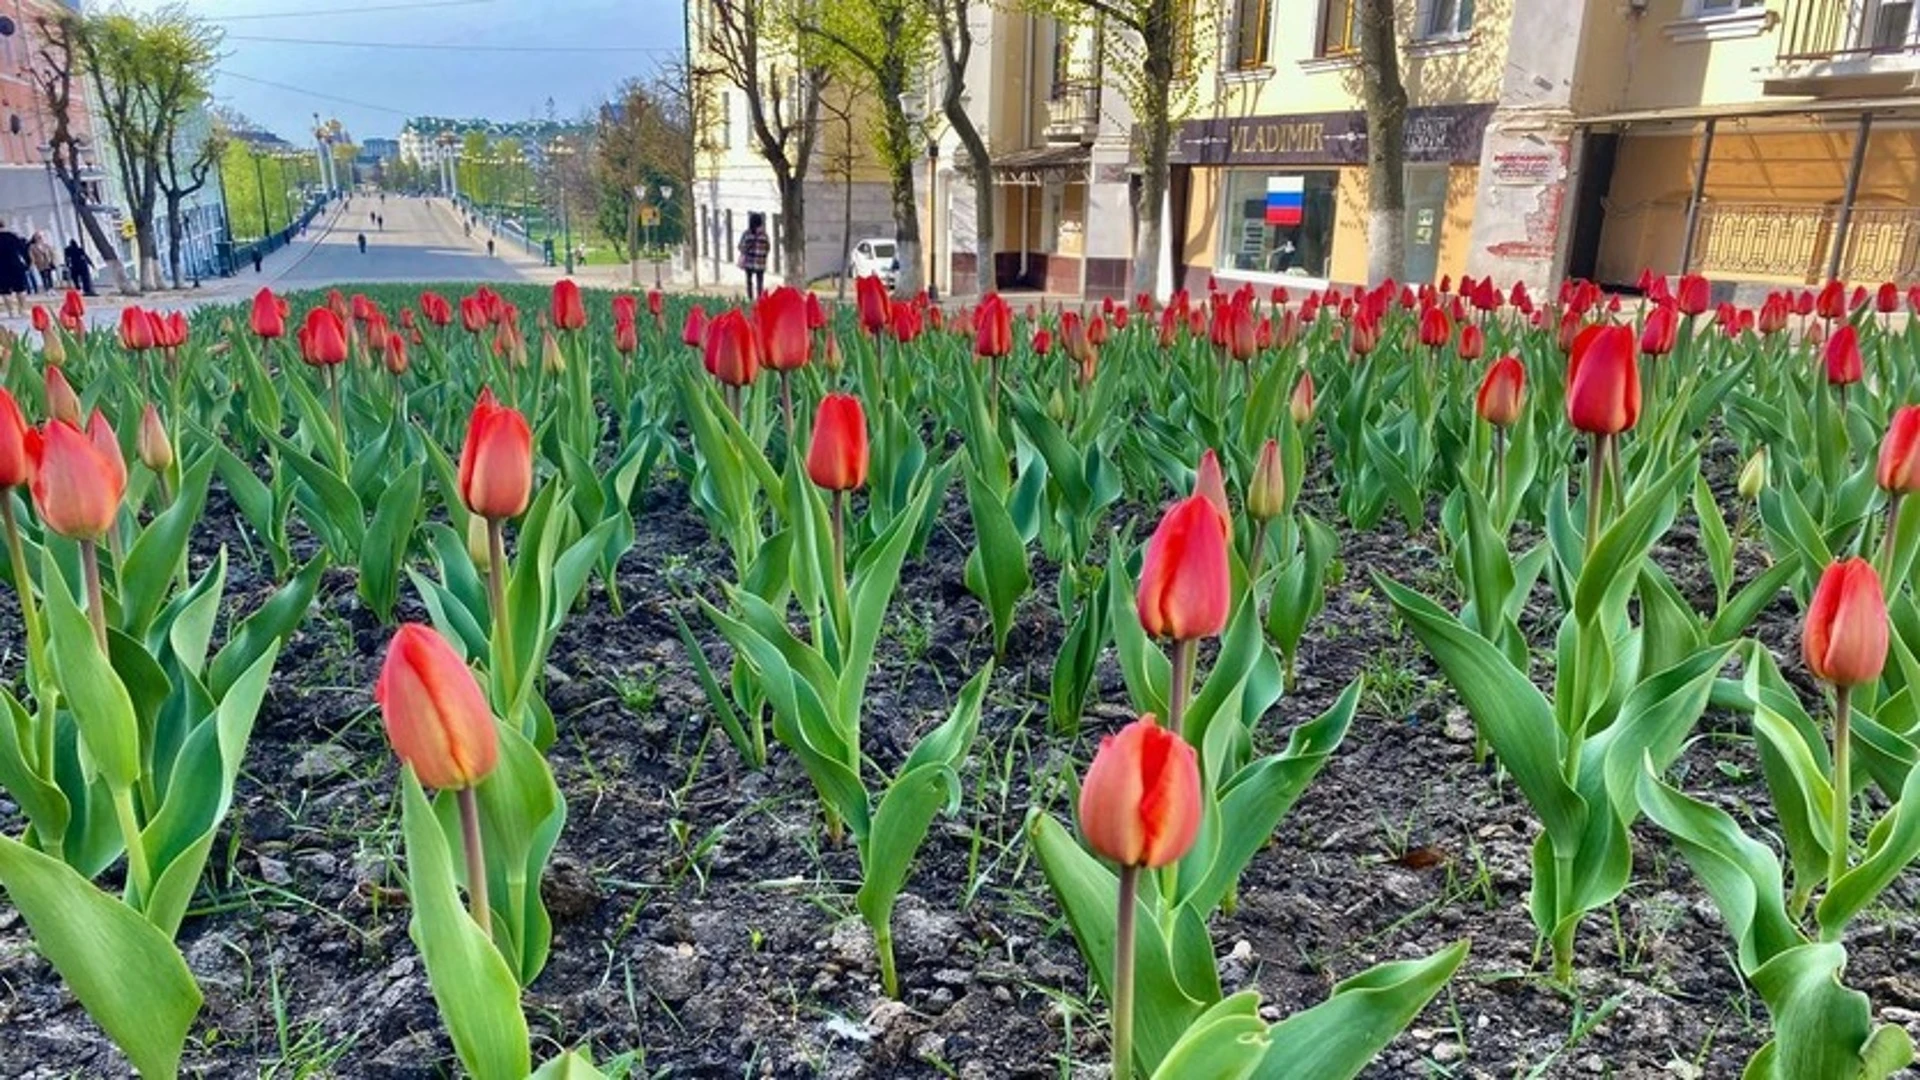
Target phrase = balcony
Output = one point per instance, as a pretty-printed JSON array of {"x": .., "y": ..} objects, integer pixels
[
  {"x": 1853, "y": 46},
  {"x": 1073, "y": 113}
]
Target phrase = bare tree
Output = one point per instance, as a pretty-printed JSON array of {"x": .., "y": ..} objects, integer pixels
[
  {"x": 1385, "y": 98},
  {"x": 843, "y": 161},
  {"x": 956, "y": 50},
  {"x": 177, "y": 187},
  {"x": 755, "y": 47},
  {"x": 54, "y": 77}
]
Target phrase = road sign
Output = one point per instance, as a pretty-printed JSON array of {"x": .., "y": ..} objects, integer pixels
[
  {"x": 649, "y": 216},
  {"x": 127, "y": 230}
]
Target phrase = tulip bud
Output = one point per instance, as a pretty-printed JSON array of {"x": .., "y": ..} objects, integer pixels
[
  {"x": 1899, "y": 468},
  {"x": 1502, "y": 392},
  {"x": 1185, "y": 588},
  {"x": 479, "y": 544},
  {"x": 552, "y": 360},
  {"x": 1267, "y": 495},
  {"x": 62, "y": 402},
  {"x": 837, "y": 458},
  {"x": 1140, "y": 804},
  {"x": 496, "y": 464},
  {"x": 52, "y": 349},
  {"x": 1845, "y": 637},
  {"x": 155, "y": 451},
  {"x": 14, "y": 468},
  {"x": 1301, "y": 404},
  {"x": 1057, "y": 406},
  {"x": 437, "y": 719},
  {"x": 1211, "y": 484},
  {"x": 1753, "y": 475},
  {"x": 1843, "y": 357}
]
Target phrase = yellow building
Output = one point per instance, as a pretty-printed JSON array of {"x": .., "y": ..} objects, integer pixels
[{"x": 1771, "y": 143}]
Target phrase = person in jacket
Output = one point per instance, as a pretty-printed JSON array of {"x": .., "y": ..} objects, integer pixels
[{"x": 755, "y": 244}]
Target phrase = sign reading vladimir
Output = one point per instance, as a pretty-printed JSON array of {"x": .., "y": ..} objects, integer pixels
[{"x": 1440, "y": 134}]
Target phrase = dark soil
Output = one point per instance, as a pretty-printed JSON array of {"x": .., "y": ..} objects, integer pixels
[{"x": 700, "y": 921}]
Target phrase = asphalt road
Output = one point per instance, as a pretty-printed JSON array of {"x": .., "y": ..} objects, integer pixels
[{"x": 422, "y": 241}]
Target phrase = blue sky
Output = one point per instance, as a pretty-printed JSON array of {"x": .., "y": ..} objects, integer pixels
[{"x": 488, "y": 60}]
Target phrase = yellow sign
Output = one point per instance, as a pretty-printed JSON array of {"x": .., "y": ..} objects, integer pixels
[
  {"x": 649, "y": 215},
  {"x": 127, "y": 230}
]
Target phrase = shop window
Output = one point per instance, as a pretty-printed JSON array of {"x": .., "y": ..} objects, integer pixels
[
  {"x": 1444, "y": 18},
  {"x": 1339, "y": 28},
  {"x": 1279, "y": 222},
  {"x": 1253, "y": 22}
]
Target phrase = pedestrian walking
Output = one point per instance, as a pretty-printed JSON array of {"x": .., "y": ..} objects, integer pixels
[
  {"x": 80, "y": 266},
  {"x": 40, "y": 254},
  {"x": 256, "y": 259},
  {"x": 755, "y": 244},
  {"x": 363, "y": 243},
  {"x": 489, "y": 247},
  {"x": 14, "y": 267}
]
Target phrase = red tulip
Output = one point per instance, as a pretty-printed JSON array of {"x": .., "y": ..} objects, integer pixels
[
  {"x": 1300, "y": 405},
  {"x": 437, "y": 718},
  {"x": 1843, "y": 357},
  {"x": 1662, "y": 330},
  {"x": 136, "y": 333},
  {"x": 73, "y": 310},
  {"x": 872, "y": 303},
  {"x": 781, "y": 317},
  {"x": 1185, "y": 588},
  {"x": 1097, "y": 331},
  {"x": 323, "y": 339},
  {"x": 474, "y": 315},
  {"x": 626, "y": 339},
  {"x": 1473, "y": 342},
  {"x": 656, "y": 304},
  {"x": 1502, "y": 392},
  {"x": 1435, "y": 329},
  {"x": 1042, "y": 342},
  {"x": 993, "y": 327},
  {"x": 436, "y": 308},
  {"x": 1899, "y": 470},
  {"x": 569, "y": 312},
  {"x": 1832, "y": 302},
  {"x": 76, "y": 486},
  {"x": 1140, "y": 804},
  {"x": 816, "y": 313},
  {"x": 905, "y": 324},
  {"x": 396, "y": 354},
  {"x": 14, "y": 469},
  {"x": 732, "y": 351},
  {"x": 62, "y": 402},
  {"x": 1845, "y": 637},
  {"x": 1695, "y": 294},
  {"x": 837, "y": 458},
  {"x": 496, "y": 463},
  {"x": 1363, "y": 336},
  {"x": 1241, "y": 335},
  {"x": 1774, "y": 313},
  {"x": 1888, "y": 299},
  {"x": 693, "y": 332},
  {"x": 41, "y": 320},
  {"x": 1603, "y": 381},
  {"x": 107, "y": 443}
]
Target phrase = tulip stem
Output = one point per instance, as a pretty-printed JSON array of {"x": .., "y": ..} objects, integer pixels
[
  {"x": 503, "y": 655},
  {"x": 36, "y": 646},
  {"x": 1596, "y": 467},
  {"x": 1842, "y": 782},
  {"x": 1259, "y": 556},
  {"x": 139, "y": 872},
  {"x": 883, "y": 947},
  {"x": 840, "y": 553},
  {"x": 786, "y": 406},
  {"x": 339, "y": 417},
  {"x": 1888, "y": 542},
  {"x": 476, "y": 860},
  {"x": 1499, "y": 473},
  {"x": 96, "y": 609},
  {"x": 1182, "y": 686},
  {"x": 1123, "y": 975}
]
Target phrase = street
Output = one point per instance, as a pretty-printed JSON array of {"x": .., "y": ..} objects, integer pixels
[{"x": 422, "y": 242}]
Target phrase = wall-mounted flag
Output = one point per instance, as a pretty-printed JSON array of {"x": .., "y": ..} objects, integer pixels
[{"x": 1286, "y": 200}]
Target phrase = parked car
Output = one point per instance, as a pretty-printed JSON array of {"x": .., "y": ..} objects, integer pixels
[{"x": 875, "y": 258}]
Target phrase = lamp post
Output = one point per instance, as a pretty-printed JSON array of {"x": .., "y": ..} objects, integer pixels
[
  {"x": 560, "y": 152},
  {"x": 666, "y": 196}
]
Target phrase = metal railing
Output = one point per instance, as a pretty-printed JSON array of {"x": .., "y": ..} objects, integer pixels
[
  {"x": 1073, "y": 111},
  {"x": 1747, "y": 240},
  {"x": 1830, "y": 29}
]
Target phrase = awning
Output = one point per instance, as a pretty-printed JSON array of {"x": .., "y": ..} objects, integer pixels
[
  {"x": 1747, "y": 109},
  {"x": 1034, "y": 167}
]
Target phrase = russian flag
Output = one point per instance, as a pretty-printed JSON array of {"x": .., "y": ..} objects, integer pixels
[{"x": 1286, "y": 199}]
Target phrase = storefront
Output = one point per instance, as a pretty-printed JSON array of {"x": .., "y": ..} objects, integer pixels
[{"x": 1282, "y": 200}]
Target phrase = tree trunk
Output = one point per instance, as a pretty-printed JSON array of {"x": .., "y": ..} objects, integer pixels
[
  {"x": 793, "y": 237},
  {"x": 174, "y": 236},
  {"x": 846, "y": 222},
  {"x": 980, "y": 170},
  {"x": 1158, "y": 127},
  {"x": 1385, "y": 98},
  {"x": 113, "y": 273},
  {"x": 149, "y": 263}
]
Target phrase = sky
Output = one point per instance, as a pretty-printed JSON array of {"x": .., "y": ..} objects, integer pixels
[{"x": 499, "y": 59}]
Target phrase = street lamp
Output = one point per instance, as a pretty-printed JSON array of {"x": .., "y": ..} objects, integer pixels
[
  {"x": 666, "y": 196},
  {"x": 560, "y": 151}
]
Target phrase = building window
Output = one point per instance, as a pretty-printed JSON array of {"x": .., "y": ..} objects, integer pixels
[
  {"x": 1339, "y": 29},
  {"x": 1700, "y": 9},
  {"x": 1279, "y": 222},
  {"x": 726, "y": 119},
  {"x": 1445, "y": 18},
  {"x": 1062, "y": 44},
  {"x": 1253, "y": 21}
]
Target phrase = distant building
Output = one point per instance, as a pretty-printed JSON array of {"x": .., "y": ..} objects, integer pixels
[
  {"x": 31, "y": 200},
  {"x": 379, "y": 151}
]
